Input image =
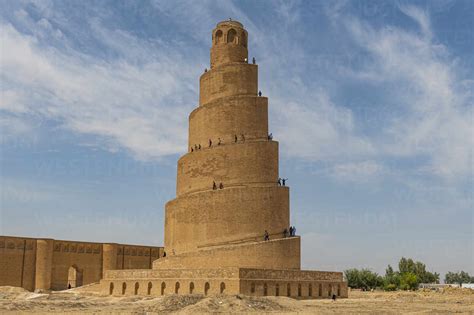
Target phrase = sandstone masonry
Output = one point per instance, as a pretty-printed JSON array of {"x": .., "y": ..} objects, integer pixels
[{"x": 49, "y": 264}]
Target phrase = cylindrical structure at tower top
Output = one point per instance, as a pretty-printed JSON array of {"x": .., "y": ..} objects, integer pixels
[
  {"x": 229, "y": 43},
  {"x": 227, "y": 188}
]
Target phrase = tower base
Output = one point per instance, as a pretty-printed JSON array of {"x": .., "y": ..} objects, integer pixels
[
  {"x": 279, "y": 253},
  {"x": 232, "y": 280}
]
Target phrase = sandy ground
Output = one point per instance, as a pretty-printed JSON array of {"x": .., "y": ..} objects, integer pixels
[{"x": 19, "y": 301}]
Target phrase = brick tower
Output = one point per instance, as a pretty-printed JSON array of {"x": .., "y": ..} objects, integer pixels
[
  {"x": 227, "y": 196},
  {"x": 229, "y": 145}
]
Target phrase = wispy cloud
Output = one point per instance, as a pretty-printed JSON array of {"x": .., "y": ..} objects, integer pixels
[
  {"x": 357, "y": 171},
  {"x": 316, "y": 129},
  {"x": 433, "y": 100},
  {"x": 132, "y": 102},
  {"x": 430, "y": 119},
  {"x": 420, "y": 16}
]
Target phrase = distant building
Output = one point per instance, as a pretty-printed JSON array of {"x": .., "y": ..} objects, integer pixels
[
  {"x": 39, "y": 263},
  {"x": 438, "y": 286}
]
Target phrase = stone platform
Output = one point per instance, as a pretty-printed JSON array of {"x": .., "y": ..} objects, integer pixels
[{"x": 231, "y": 280}]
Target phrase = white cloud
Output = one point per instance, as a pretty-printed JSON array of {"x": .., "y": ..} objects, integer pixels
[
  {"x": 437, "y": 120},
  {"x": 318, "y": 130},
  {"x": 434, "y": 100},
  {"x": 357, "y": 171},
  {"x": 140, "y": 106},
  {"x": 420, "y": 16},
  {"x": 12, "y": 101}
]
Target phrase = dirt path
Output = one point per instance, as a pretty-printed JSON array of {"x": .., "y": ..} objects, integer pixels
[{"x": 18, "y": 301}]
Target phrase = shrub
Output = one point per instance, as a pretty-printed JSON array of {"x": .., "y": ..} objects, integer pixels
[{"x": 390, "y": 287}]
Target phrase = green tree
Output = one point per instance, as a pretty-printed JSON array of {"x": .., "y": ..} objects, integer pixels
[
  {"x": 370, "y": 280},
  {"x": 409, "y": 281},
  {"x": 363, "y": 279},
  {"x": 391, "y": 281},
  {"x": 352, "y": 278},
  {"x": 425, "y": 276},
  {"x": 464, "y": 277},
  {"x": 406, "y": 265},
  {"x": 419, "y": 269},
  {"x": 458, "y": 277},
  {"x": 411, "y": 273}
]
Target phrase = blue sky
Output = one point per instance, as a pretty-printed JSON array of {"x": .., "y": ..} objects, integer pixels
[{"x": 371, "y": 102}]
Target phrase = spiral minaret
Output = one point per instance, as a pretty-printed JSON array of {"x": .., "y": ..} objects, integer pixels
[
  {"x": 228, "y": 197},
  {"x": 227, "y": 184}
]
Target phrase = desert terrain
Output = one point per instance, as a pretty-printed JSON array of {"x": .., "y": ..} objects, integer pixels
[{"x": 17, "y": 301}]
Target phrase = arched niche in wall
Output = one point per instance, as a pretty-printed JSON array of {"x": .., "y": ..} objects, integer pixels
[
  {"x": 231, "y": 36},
  {"x": 218, "y": 37}
]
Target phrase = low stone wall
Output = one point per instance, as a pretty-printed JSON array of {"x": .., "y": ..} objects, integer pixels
[
  {"x": 180, "y": 286},
  {"x": 252, "y": 282},
  {"x": 154, "y": 274},
  {"x": 292, "y": 283},
  {"x": 299, "y": 275},
  {"x": 296, "y": 289},
  {"x": 171, "y": 281}
]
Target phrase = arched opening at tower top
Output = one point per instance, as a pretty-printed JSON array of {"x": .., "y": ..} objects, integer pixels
[
  {"x": 231, "y": 36},
  {"x": 218, "y": 37}
]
